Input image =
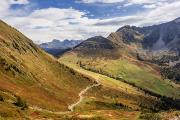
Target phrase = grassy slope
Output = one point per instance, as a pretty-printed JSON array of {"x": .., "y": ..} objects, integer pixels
[
  {"x": 102, "y": 101},
  {"x": 36, "y": 77},
  {"x": 142, "y": 75}
]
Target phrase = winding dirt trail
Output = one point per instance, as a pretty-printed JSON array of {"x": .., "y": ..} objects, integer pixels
[{"x": 70, "y": 107}]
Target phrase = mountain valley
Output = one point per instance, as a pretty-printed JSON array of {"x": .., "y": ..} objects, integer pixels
[{"x": 118, "y": 77}]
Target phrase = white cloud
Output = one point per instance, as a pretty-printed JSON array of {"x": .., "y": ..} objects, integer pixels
[
  {"x": 147, "y": 4},
  {"x": 150, "y": 6},
  {"x": 125, "y": 2},
  {"x": 19, "y": 1},
  {"x": 160, "y": 14},
  {"x": 166, "y": 12},
  {"x": 56, "y": 23},
  {"x": 4, "y": 8},
  {"x": 142, "y": 1},
  {"x": 5, "y": 5},
  {"x": 100, "y": 1},
  {"x": 118, "y": 1},
  {"x": 47, "y": 24}
]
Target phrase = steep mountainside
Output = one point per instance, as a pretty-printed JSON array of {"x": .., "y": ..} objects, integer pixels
[
  {"x": 165, "y": 36},
  {"x": 29, "y": 74},
  {"x": 57, "y": 47},
  {"x": 97, "y": 46}
]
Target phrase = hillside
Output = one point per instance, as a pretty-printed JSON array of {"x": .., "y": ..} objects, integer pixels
[
  {"x": 29, "y": 74},
  {"x": 117, "y": 56},
  {"x": 117, "y": 98}
]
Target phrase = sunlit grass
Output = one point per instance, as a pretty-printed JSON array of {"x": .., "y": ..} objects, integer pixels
[{"x": 142, "y": 76}]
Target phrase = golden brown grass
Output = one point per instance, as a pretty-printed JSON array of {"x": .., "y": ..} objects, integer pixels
[{"x": 38, "y": 78}]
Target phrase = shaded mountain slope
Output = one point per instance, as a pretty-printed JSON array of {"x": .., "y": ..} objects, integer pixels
[
  {"x": 56, "y": 52},
  {"x": 97, "y": 46},
  {"x": 164, "y": 36},
  {"x": 36, "y": 77}
]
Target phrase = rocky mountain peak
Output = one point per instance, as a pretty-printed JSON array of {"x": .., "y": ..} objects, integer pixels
[
  {"x": 55, "y": 41},
  {"x": 125, "y": 28},
  {"x": 177, "y": 20}
]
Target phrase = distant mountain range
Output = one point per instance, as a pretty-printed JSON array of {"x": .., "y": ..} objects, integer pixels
[
  {"x": 60, "y": 44},
  {"x": 57, "y": 47},
  {"x": 163, "y": 37}
]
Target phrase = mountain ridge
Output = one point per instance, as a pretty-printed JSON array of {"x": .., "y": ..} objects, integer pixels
[{"x": 60, "y": 44}]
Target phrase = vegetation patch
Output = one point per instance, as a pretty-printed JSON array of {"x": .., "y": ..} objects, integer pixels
[
  {"x": 172, "y": 73},
  {"x": 21, "y": 103},
  {"x": 9, "y": 66},
  {"x": 84, "y": 118},
  {"x": 150, "y": 116},
  {"x": 1, "y": 98}
]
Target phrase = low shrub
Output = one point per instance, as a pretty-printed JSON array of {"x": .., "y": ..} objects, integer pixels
[
  {"x": 21, "y": 103},
  {"x": 1, "y": 98},
  {"x": 150, "y": 116}
]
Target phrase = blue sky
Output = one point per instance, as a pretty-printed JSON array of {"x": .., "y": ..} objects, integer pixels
[
  {"x": 94, "y": 10},
  {"x": 44, "y": 20}
]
